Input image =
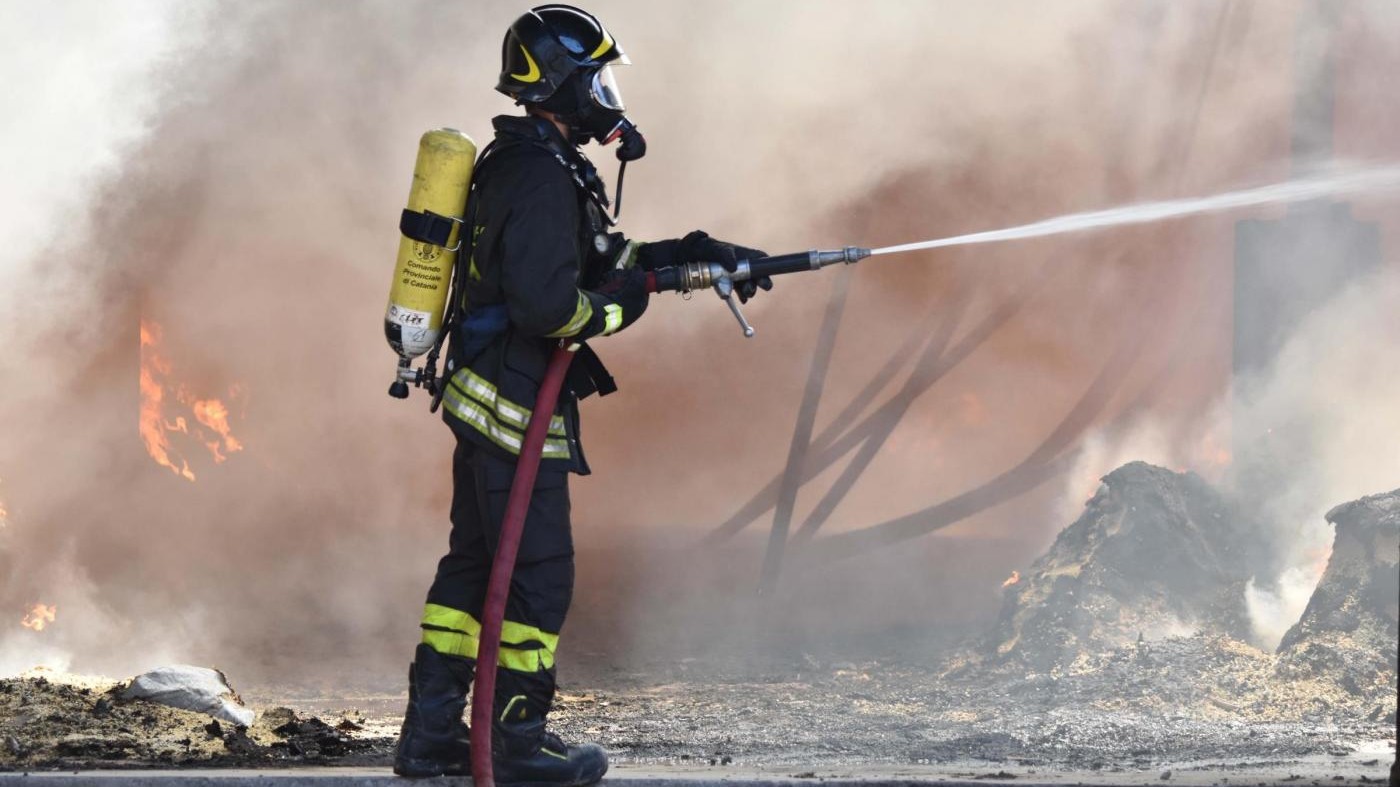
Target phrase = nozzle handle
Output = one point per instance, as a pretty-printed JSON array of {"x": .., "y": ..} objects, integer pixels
[{"x": 725, "y": 289}]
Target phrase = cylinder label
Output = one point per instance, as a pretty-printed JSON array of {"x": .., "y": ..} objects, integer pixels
[{"x": 410, "y": 319}]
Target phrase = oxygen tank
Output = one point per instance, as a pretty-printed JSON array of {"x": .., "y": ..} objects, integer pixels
[{"x": 431, "y": 228}]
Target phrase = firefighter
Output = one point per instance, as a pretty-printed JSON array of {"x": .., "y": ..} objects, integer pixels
[{"x": 543, "y": 267}]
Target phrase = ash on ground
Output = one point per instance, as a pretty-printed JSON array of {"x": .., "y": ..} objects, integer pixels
[{"x": 1123, "y": 649}]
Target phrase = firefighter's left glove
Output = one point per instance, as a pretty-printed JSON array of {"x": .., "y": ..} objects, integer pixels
[
  {"x": 619, "y": 301},
  {"x": 698, "y": 246}
]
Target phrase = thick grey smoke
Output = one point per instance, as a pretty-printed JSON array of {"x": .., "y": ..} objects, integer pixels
[{"x": 235, "y": 175}]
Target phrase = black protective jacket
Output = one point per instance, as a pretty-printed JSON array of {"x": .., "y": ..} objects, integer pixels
[{"x": 541, "y": 245}]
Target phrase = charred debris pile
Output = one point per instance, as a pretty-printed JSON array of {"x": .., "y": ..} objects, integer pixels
[
  {"x": 1139, "y": 606},
  {"x": 1348, "y": 632},
  {"x": 50, "y": 721},
  {"x": 1153, "y": 556}
]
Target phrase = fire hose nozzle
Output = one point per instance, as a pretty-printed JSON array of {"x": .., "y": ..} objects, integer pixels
[
  {"x": 849, "y": 256},
  {"x": 692, "y": 276}
]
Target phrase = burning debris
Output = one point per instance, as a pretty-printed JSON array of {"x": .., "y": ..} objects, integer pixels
[
  {"x": 1348, "y": 632},
  {"x": 1154, "y": 555}
]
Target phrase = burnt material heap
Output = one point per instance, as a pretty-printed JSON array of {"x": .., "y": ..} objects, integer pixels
[
  {"x": 1348, "y": 631},
  {"x": 1154, "y": 555}
]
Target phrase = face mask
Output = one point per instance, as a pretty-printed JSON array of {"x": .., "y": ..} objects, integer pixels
[{"x": 592, "y": 107}]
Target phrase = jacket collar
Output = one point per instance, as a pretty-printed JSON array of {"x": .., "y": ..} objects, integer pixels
[{"x": 540, "y": 132}]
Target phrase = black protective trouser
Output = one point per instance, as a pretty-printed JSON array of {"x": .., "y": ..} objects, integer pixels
[{"x": 542, "y": 584}]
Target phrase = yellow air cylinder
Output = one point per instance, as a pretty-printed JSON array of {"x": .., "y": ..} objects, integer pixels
[{"x": 418, "y": 296}]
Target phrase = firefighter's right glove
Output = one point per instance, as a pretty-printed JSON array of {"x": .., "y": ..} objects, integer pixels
[{"x": 618, "y": 302}]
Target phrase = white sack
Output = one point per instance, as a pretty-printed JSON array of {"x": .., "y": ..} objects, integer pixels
[{"x": 199, "y": 689}]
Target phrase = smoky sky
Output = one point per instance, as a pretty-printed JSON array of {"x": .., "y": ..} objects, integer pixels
[{"x": 247, "y": 200}]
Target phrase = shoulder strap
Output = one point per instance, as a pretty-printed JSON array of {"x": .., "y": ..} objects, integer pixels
[{"x": 581, "y": 170}]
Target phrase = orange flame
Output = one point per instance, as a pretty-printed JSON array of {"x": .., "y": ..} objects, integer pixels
[
  {"x": 1013, "y": 579},
  {"x": 156, "y": 427},
  {"x": 151, "y": 422},
  {"x": 213, "y": 414},
  {"x": 39, "y": 617}
]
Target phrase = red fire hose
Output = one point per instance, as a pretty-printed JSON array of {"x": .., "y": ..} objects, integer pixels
[{"x": 503, "y": 565}]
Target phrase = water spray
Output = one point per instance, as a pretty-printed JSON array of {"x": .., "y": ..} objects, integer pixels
[
  {"x": 1372, "y": 180},
  {"x": 700, "y": 275}
]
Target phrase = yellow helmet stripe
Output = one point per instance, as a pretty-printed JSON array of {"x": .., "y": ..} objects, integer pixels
[
  {"x": 532, "y": 74},
  {"x": 603, "y": 47}
]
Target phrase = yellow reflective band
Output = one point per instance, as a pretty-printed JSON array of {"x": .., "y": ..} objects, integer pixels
[
  {"x": 532, "y": 73},
  {"x": 485, "y": 422},
  {"x": 525, "y": 660},
  {"x": 464, "y": 639},
  {"x": 455, "y": 643},
  {"x": 583, "y": 312},
  {"x": 628, "y": 256},
  {"x": 520, "y": 634},
  {"x": 476, "y": 387},
  {"x": 612, "y": 318},
  {"x": 451, "y": 643},
  {"x": 477, "y": 416},
  {"x": 449, "y": 618},
  {"x": 603, "y": 47}
]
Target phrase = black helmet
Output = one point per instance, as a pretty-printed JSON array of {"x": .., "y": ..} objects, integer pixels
[
  {"x": 547, "y": 45},
  {"x": 560, "y": 58}
]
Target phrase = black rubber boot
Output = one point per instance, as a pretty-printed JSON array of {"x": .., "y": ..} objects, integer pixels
[
  {"x": 523, "y": 752},
  {"x": 434, "y": 739}
]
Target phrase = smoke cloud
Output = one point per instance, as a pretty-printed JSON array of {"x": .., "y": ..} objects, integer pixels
[
  {"x": 1324, "y": 411},
  {"x": 234, "y": 176}
]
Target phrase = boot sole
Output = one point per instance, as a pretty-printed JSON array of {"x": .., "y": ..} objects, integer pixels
[
  {"x": 585, "y": 782},
  {"x": 427, "y": 769}
]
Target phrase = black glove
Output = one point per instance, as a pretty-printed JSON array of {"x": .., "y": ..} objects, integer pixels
[
  {"x": 624, "y": 298},
  {"x": 698, "y": 246}
]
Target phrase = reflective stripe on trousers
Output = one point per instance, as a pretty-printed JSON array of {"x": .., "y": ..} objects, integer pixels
[{"x": 453, "y": 632}]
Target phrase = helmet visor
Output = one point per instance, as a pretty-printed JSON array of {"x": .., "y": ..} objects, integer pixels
[{"x": 605, "y": 91}]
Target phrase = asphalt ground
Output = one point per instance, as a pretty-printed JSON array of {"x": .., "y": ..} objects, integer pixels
[{"x": 1313, "y": 772}]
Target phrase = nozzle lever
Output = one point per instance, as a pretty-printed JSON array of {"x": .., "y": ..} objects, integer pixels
[{"x": 724, "y": 287}]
